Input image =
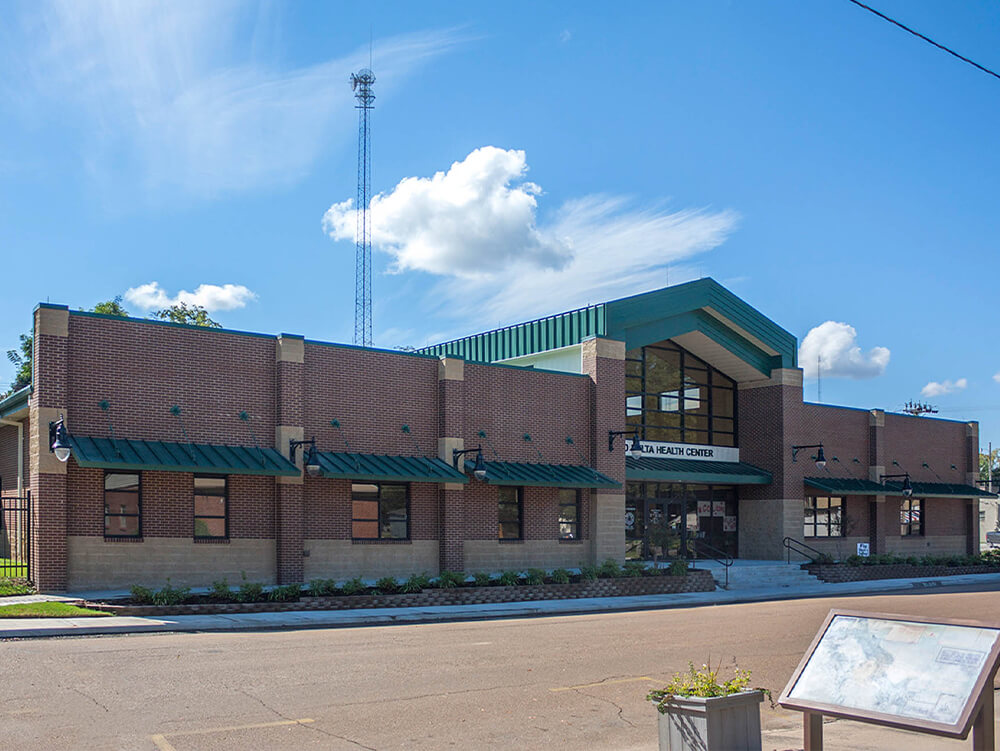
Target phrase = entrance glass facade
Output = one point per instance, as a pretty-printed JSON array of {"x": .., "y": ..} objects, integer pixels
[{"x": 677, "y": 520}]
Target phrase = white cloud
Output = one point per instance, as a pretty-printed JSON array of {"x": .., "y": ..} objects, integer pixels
[
  {"x": 996, "y": 377},
  {"x": 173, "y": 93},
  {"x": 212, "y": 297},
  {"x": 944, "y": 387},
  {"x": 832, "y": 346},
  {"x": 476, "y": 226}
]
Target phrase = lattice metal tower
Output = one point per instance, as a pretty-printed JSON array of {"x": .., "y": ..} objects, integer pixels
[{"x": 361, "y": 83}]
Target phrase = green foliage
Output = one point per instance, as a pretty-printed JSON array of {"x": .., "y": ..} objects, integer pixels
[
  {"x": 170, "y": 595},
  {"x": 387, "y": 585},
  {"x": 21, "y": 360},
  {"x": 678, "y": 568},
  {"x": 220, "y": 591},
  {"x": 353, "y": 586},
  {"x": 450, "y": 580},
  {"x": 48, "y": 610},
  {"x": 193, "y": 315},
  {"x": 534, "y": 576},
  {"x": 249, "y": 591},
  {"x": 823, "y": 558},
  {"x": 702, "y": 683},
  {"x": 141, "y": 595},
  {"x": 322, "y": 587},
  {"x": 634, "y": 569},
  {"x": 989, "y": 464},
  {"x": 416, "y": 583},
  {"x": 509, "y": 578},
  {"x": 663, "y": 537},
  {"x": 610, "y": 570},
  {"x": 588, "y": 573},
  {"x": 481, "y": 579},
  {"x": 285, "y": 593},
  {"x": 9, "y": 588},
  {"x": 559, "y": 576},
  {"x": 111, "y": 308}
]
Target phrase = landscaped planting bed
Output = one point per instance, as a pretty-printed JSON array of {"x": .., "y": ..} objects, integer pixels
[{"x": 856, "y": 568}]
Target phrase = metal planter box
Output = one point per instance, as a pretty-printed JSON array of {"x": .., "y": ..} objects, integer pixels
[{"x": 721, "y": 723}]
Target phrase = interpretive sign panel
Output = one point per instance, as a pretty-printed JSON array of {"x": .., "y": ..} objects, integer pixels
[{"x": 894, "y": 670}]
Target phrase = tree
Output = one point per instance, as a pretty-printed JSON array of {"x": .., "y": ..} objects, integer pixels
[
  {"x": 988, "y": 461},
  {"x": 111, "y": 308},
  {"x": 194, "y": 315},
  {"x": 21, "y": 358}
]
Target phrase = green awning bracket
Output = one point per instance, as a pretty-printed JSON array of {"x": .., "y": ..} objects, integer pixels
[
  {"x": 384, "y": 468},
  {"x": 541, "y": 475},
  {"x": 654, "y": 469}
]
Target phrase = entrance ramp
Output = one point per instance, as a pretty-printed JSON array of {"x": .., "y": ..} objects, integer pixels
[{"x": 747, "y": 574}]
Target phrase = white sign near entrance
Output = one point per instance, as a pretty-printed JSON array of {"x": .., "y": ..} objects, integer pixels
[{"x": 665, "y": 450}]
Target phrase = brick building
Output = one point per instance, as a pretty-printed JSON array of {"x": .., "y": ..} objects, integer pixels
[{"x": 188, "y": 451}]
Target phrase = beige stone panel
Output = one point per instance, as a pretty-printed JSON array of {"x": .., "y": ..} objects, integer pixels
[
  {"x": 876, "y": 418},
  {"x": 837, "y": 548},
  {"x": 607, "y": 515},
  {"x": 290, "y": 350},
  {"x": 779, "y": 377},
  {"x": 41, "y": 457},
  {"x": 492, "y": 556},
  {"x": 52, "y": 322},
  {"x": 927, "y": 545},
  {"x": 451, "y": 369},
  {"x": 93, "y": 563},
  {"x": 282, "y": 435},
  {"x": 445, "y": 447},
  {"x": 342, "y": 559}
]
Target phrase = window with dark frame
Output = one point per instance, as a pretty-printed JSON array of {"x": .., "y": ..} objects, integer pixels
[
  {"x": 511, "y": 513},
  {"x": 211, "y": 508},
  {"x": 911, "y": 517},
  {"x": 569, "y": 514},
  {"x": 122, "y": 505},
  {"x": 380, "y": 511},
  {"x": 823, "y": 517}
]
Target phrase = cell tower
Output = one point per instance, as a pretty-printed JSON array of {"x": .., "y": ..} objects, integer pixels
[
  {"x": 361, "y": 84},
  {"x": 919, "y": 408}
]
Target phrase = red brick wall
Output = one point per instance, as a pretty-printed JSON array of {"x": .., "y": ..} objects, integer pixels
[
  {"x": 913, "y": 441},
  {"x": 540, "y": 517},
  {"x": 328, "y": 509}
]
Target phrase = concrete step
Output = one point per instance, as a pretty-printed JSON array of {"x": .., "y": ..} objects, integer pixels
[{"x": 748, "y": 576}]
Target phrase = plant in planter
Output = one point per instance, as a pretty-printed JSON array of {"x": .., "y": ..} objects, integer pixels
[{"x": 698, "y": 713}]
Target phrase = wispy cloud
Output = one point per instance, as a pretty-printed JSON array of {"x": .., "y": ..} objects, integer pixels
[
  {"x": 476, "y": 226},
  {"x": 996, "y": 377},
  {"x": 831, "y": 349},
  {"x": 170, "y": 93},
  {"x": 935, "y": 388},
  {"x": 212, "y": 297}
]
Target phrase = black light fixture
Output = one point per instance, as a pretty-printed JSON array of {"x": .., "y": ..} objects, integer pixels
[
  {"x": 311, "y": 460},
  {"x": 479, "y": 468},
  {"x": 820, "y": 457},
  {"x": 59, "y": 443},
  {"x": 633, "y": 449},
  {"x": 907, "y": 487}
]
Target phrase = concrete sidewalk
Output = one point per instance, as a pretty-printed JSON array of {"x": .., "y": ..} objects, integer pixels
[{"x": 39, "y": 627}]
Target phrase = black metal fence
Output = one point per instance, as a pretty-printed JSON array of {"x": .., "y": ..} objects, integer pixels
[{"x": 15, "y": 537}]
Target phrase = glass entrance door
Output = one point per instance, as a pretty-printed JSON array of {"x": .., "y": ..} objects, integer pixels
[{"x": 673, "y": 520}]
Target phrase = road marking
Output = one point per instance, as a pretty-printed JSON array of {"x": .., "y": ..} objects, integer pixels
[
  {"x": 604, "y": 683},
  {"x": 161, "y": 742}
]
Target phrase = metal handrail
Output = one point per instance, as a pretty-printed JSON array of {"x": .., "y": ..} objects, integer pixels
[
  {"x": 722, "y": 556},
  {"x": 800, "y": 548}
]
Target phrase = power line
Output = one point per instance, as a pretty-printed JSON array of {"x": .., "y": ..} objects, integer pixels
[{"x": 926, "y": 39}]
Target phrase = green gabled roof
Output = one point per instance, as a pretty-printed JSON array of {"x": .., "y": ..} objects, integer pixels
[
  {"x": 946, "y": 490},
  {"x": 14, "y": 402},
  {"x": 692, "y": 470},
  {"x": 702, "y": 306},
  {"x": 850, "y": 486},
  {"x": 540, "y": 475},
  {"x": 382, "y": 468},
  {"x": 164, "y": 456}
]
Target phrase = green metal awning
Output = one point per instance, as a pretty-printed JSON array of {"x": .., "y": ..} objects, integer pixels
[
  {"x": 380, "y": 468},
  {"x": 692, "y": 470},
  {"x": 851, "y": 486},
  {"x": 946, "y": 490},
  {"x": 538, "y": 475},
  {"x": 164, "y": 456}
]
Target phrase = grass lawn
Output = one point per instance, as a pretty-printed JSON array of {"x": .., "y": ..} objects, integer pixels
[
  {"x": 47, "y": 610},
  {"x": 12, "y": 569}
]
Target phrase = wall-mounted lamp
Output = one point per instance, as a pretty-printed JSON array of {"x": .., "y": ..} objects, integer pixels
[
  {"x": 907, "y": 487},
  {"x": 59, "y": 443},
  {"x": 479, "y": 469},
  {"x": 311, "y": 458},
  {"x": 633, "y": 449},
  {"x": 820, "y": 456}
]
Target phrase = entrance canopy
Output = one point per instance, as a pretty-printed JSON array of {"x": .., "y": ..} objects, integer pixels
[{"x": 695, "y": 471}]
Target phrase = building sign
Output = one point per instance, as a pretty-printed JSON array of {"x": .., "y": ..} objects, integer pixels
[
  {"x": 704, "y": 508},
  {"x": 698, "y": 452},
  {"x": 718, "y": 508},
  {"x": 863, "y": 549}
]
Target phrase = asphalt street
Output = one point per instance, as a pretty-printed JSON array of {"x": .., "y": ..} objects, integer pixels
[{"x": 571, "y": 682}]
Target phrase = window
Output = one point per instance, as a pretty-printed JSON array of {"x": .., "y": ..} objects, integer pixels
[
  {"x": 211, "y": 520},
  {"x": 380, "y": 512},
  {"x": 122, "y": 505},
  {"x": 511, "y": 511},
  {"x": 569, "y": 514},
  {"x": 823, "y": 517},
  {"x": 911, "y": 518}
]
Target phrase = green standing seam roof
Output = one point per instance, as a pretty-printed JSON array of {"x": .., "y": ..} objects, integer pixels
[
  {"x": 538, "y": 475},
  {"x": 693, "y": 470},
  {"x": 382, "y": 468},
  {"x": 945, "y": 490},
  {"x": 851, "y": 486},
  {"x": 163, "y": 456},
  {"x": 14, "y": 402}
]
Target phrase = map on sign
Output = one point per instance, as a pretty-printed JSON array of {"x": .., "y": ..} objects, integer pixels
[{"x": 908, "y": 669}]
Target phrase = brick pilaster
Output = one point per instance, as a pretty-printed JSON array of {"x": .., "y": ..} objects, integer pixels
[
  {"x": 878, "y": 522},
  {"x": 451, "y": 516},
  {"x": 289, "y": 387}
]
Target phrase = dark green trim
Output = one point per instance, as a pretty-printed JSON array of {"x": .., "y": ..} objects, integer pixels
[
  {"x": 694, "y": 471},
  {"x": 383, "y": 468},
  {"x": 947, "y": 490},
  {"x": 538, "y": 475},
  {"x": 850, "y": 486},
  {"x": 164, "y": 456},
  {"x": 15, "y": 402}
]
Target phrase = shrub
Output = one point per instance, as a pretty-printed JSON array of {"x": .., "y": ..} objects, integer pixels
[
  {"x": 285, "y": 593},
  {"x": 913, "y": 560},
  {"x": 559, "y": 576},
  {"x": 678, "y": 568},
  {"x": 387, "y": 585},
  {"x": 634, "y": 569},
  {"x": 10, "y": 587},
  {"x": 855, "y": 560},
  {"x": 703, "y": 683},
  {"x": 220, "y": 591},
  {"x": 510, "y": 578},
  {"x": 353, "y": 586},
  {"x": 170, "y": 595},
  {"x": 141, "y": 595},
  {"x": 249, "y": 591},
  {"x": 534, "y": 576},
  {"x": 610, "y": 569},
  {"x": 481, "y": 579},
  {"x": 588, "y": 573},
  {"x": 824, "y": 558},
  {"x": 322, "y": 587},
  {"x": 450, "y": 579},
  {"x": 416, "y": 583}
]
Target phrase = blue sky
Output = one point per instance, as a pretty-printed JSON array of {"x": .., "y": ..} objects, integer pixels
[{"x": 837, "y": 173}]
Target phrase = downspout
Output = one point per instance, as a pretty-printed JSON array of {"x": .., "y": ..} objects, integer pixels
[{"x": 20, "y": 452}]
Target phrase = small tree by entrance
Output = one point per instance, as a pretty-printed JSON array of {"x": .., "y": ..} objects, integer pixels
[{"x": 662, "y": 540}]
